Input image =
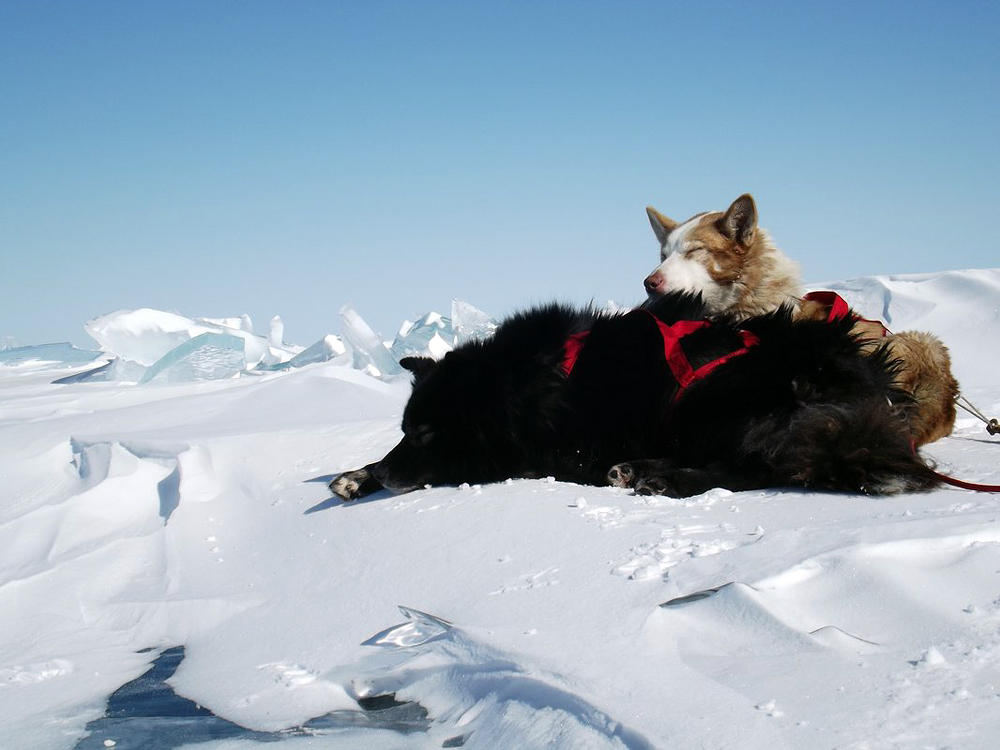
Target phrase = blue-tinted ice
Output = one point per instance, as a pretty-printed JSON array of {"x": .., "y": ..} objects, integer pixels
[
  {"x": 435, "y": 335},
  {"x": 368, "y": 350},
  {"x": 210, "y": 356},
  {"x": 470, "y": 323},
  {"x": 219, "y": 354},
  {"x": 329, "y": 348},
  {"x": 146, "y": 714},
  {"x": 419, "y": 628},
  {"x": 56, "y": 355},
  {"x": 431, "y": 336}
]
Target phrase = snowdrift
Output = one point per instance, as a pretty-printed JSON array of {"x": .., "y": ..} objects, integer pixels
[{"x": 173, "y": 573}]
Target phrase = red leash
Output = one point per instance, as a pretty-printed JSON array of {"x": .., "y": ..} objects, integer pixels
[
  {"x": 960, "y": 483},
  {"x": 966, "y": 485}
]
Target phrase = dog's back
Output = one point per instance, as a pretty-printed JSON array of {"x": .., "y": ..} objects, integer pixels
[
  {"x": 802, "y": 406},
  {"x": 805, "y": 407}
]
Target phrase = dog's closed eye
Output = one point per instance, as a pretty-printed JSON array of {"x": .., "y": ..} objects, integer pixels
[{"x": 420, "y": 435}]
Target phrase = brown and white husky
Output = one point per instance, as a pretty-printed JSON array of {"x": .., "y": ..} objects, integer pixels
[{"x": 732, "y": 263}]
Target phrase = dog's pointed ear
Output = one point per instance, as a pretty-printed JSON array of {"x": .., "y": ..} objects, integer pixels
[
  {"x": 419, "y": 366},
  {"x": 662, "y": 226},
  {"x": 740, "y": 221}
]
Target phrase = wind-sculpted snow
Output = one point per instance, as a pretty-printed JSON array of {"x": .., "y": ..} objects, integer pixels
[
  {"x": 162, "y": 584},
  {"x": 147, "y": 713},
  {"x": 959, "y": 306},
  {"x": 475, "y": 691}
]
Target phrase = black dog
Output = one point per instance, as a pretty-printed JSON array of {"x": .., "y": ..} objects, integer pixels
[{"x": 651, "y": 400}]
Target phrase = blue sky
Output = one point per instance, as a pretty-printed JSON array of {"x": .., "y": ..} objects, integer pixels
[{"x": 216, "y": 158}]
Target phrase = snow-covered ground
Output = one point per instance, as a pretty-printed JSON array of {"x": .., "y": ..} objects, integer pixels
[{"x": 135, "y": 519}]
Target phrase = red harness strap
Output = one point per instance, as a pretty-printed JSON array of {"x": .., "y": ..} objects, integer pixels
[
  {"x": 680, "y": 366},
  {"x": 837, "y": 309},
  {"x": 572, "y": 348}
]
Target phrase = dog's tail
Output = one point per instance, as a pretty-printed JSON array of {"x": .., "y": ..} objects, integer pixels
[{"x": 853, "y": 449}]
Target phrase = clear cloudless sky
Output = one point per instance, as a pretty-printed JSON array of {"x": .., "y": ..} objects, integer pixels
[{"x": 221, "y": 157}]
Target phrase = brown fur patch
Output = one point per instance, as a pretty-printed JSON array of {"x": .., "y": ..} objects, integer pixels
[
  {"x": 810, "y": 309},
  {"x": 761, "y": 277},
  {"x": 725, "y": 259},
  {"x": 926, "y": 374}
]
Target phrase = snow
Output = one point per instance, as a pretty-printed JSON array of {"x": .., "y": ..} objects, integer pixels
[{"x": 190, "y": 521}]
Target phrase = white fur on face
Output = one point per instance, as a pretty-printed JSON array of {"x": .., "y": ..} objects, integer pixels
[
  {"x": 684, "y": 273},
  {"x": 677, "y": 239}
]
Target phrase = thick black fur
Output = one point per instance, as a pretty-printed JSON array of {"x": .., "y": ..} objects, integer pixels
[{"x": 802, "y": 408}]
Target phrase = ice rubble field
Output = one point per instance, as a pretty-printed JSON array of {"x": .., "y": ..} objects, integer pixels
[{"x": 168, "y": 522}]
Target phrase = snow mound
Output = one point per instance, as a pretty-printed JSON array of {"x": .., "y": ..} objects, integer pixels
[{"x": 950, "y": 305}]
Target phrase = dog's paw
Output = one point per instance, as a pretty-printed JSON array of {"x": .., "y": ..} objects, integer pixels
[
  {"x": 655, "y": 486},
  {"x": 347, "y": 486},
  {"x": 621, "y": 475}
]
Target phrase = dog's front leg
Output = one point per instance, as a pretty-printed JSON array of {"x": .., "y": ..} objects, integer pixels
[
  {"x": 647, "y": 476},
  {"x": 354, "y": 484},
  {"x": 664, "y": 477}
]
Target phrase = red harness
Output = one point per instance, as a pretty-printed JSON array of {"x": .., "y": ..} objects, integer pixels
[
  {"x": 686, "y": 374},
  {"x": 837, "y": 309},
  {"x": 672, "y": 334},
  {"x": 680, "y": 366}
]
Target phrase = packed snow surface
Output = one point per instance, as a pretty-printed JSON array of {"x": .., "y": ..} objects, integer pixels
[{"x": 173, "y": 573}]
